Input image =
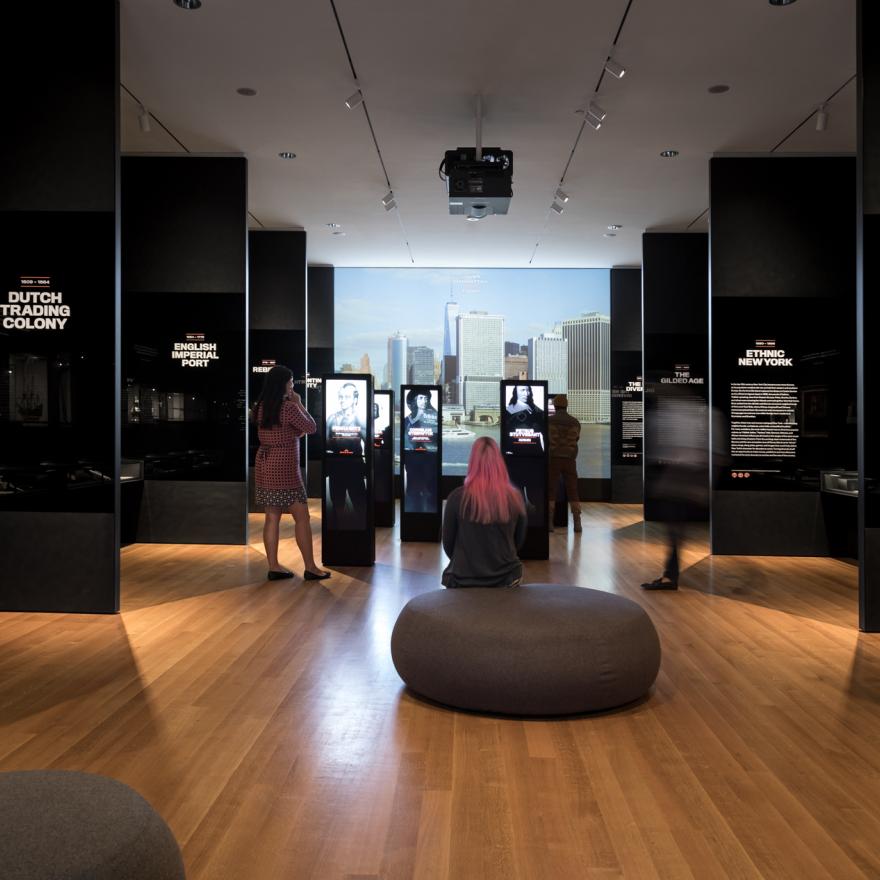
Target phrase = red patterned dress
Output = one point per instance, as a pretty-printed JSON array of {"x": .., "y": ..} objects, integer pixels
[{"x": 277, "y": 478}]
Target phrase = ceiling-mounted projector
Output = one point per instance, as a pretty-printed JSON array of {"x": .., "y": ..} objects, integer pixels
[{"x": 478, "y": 181}]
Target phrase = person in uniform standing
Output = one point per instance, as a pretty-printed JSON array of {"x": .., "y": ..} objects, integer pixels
[{"x": 565, "y": 431}]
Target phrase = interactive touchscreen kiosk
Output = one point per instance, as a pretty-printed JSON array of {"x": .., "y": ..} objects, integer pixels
[
  {"x": 347, "y": 532},
  {"x": 524, "y": 443},
  {"x": 383, "y": 457},
  {"x": 420, "y": 462}
]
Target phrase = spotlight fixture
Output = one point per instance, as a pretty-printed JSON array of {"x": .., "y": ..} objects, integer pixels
[
  {"x": 595, "y": 110},
  {"x": 821, "y": 118},
  {"x": 557, "y": 207},
  {"x": 615, "y": 69},
  {"x": 247, "y": 92},
  {"x": 781, "y": 2},
  {"x": 561, "y": 195},
  {"x": 286, "y": 154},
  {"x": 144, "y": 119},
  {"x": 669, "y": 154},
  {"x": 333, "y": 225},
  {"x": 594, "y": 121},
  {"x": 354, "y": 100},
  {"x": 387, "y": 199},
  {"x": 188, "y": 4},
  {"x": 613, "y": 227}
]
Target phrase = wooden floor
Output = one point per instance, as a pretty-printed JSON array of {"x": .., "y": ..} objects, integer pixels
[{"x": 266, "y": 723}]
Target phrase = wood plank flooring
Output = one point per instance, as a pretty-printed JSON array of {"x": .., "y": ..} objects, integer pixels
[{"x": 266, "y": 723}]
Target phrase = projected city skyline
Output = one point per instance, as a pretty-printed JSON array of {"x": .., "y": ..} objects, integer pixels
[{"x": 467, "y": 330}]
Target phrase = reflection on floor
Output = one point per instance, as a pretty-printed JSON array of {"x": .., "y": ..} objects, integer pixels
[{"x": 266, "y": 723}]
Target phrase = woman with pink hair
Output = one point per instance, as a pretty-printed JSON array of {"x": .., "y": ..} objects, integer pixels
[{"x": 484, "y": 524}]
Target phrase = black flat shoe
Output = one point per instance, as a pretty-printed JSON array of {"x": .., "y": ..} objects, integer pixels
[
  {"x": 279, "y": 575},
  {"x": 311, "y": 576},
  {"x": 662, "y": 583}
]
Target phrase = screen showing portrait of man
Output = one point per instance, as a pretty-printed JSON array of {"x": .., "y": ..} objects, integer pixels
[{"x": 345, "y": 438}]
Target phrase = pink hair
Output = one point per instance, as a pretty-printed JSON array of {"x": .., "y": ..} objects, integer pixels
[{"x": 488, "y": 495}]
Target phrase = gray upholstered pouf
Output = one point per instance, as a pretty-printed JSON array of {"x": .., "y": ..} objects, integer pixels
[
  {"x": 78, "y": 826},
  {"x": 540, "y": 649}
]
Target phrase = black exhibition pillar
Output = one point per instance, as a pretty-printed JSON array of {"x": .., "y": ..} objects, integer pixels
[
  {"x": 277, "y": 318},
  {"x": 348, "y": 534},
  {"x": 675, "y": 314},
  {"x": 59, "y": 310},
  {"x": 627, "y": 422},
  {"x": 319, "y": 359},
  {"x": 868, "y": 314},
  {"x": 383, "y": 457},
  {"x": 421, "y": 462},
  {"x": 184, "y": 312},
  {"x": 783, "y": 286},
  {"x": 525, "y": 446}
]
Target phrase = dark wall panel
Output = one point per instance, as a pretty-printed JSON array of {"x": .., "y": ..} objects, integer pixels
[
  {"x": 675, "y": 291},
  {"x": 184, "y": 224},
  {"x": 184, "y": 281},
  {"x": 627, "y": 407},
  {"x": 277, "y": 314},
  {"x": 59, "y": 374},
  {"x": 320, "y": 356},
  {"x": 783, "y": 364},
  {"x": 60, "y": 145},
  {"x": 868, "y": 313},
  {"x": 277, "y": 283}
]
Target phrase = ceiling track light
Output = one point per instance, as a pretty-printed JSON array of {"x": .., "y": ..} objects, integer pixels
[
  {"x": 354, "y": 100},
  {"x": 144, "y": 119},
  {"x": 593, "y": 120},
  {"x": 557, "y": 207},
  {"x": 595, "y": 110},
  {"x": 387, "y": 199},
  {"x": 821, "y": 119},
  {"x": 615, "y": 69},
  {"x": 188, "y": 4},
  {"x": 561, "y": 195}
]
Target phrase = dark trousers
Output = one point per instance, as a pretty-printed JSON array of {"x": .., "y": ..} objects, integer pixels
[{"x": 567, "y": 467}]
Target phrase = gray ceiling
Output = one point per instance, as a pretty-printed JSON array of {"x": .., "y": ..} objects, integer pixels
[{"x": 535, "y": 63}]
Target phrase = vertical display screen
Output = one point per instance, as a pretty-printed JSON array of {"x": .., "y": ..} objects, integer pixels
[
  {"x": 420, "y": 433},
  {"x": 346, "y": 435},
  {"x": 524, "y": 444},
  {"x": 525, "y": 419}
]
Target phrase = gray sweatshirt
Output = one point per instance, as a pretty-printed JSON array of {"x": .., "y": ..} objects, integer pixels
[{"x": 481, "y": 555}]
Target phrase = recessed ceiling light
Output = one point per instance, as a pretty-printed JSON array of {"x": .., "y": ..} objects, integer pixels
[
  {"x": 248, "y": 93},
  {"x": 720, "y": 89},
  {"x": 614, "y": 226},
  {"x": 669, "y": 154},
  {"x": 781, "y": 2},
  {"x": 286, "y": 154},
  {"x": 188, "y": 4},
  {"x": 610, "y": 234}
]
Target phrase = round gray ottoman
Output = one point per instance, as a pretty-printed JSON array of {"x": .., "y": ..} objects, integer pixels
[
  {"x": 541, "y": 649},
  {"x": 58, "y": 824}
]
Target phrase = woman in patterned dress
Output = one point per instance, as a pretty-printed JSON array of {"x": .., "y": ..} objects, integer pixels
[{"x": 281, "y": 420}]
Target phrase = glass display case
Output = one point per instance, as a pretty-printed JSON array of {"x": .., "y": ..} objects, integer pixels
[{"x": 840, "y": 482}]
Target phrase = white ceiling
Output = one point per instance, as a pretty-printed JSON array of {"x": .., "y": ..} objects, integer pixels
[{"x": 534, "y": 63}]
